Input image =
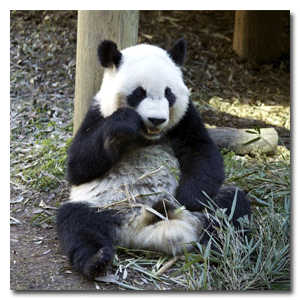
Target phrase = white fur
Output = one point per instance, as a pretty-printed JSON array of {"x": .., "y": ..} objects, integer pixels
[
  {"x": 141, "y": 179},
  {"x": 145, "y": 171},
  {"x": 169, "y": 236},
  {"x": 151, "y": 68},
  {"x": 154, "y": 108}
]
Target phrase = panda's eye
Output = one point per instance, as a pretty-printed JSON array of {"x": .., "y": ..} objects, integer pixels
[
  {"x": 170, "y": 96},
  {"x": 140, "y": 92},
  {"x": 136, "y": 96}
]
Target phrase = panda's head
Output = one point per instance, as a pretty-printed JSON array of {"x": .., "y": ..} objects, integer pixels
[{"x": 146, "y": 78}]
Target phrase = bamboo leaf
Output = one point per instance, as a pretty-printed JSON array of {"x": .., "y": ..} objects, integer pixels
[
  {"x": 233, "y": 205},
  {"x": 252, "y": 141},
  {"x": 251, "y": 132}
]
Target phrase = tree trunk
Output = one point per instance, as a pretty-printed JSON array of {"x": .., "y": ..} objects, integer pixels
[
  {"x": 258, "y": 34},
  {"x": 94, "y": 26}
]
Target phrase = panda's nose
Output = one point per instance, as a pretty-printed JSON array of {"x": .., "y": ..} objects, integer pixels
[{"x": 156, "y": 121}]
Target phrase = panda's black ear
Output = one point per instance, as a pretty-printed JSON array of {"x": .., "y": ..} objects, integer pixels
[
  {"x": 108, "y": 54},
  {"x": 178, "y": 51}
]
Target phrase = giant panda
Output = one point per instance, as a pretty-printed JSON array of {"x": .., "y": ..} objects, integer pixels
[{"x": 142, "y": 166}]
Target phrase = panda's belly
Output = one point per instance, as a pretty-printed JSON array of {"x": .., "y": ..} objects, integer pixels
[{"x": 143, "y": 176}]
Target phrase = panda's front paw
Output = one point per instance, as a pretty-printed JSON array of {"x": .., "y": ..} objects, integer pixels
[
  {"x": 98, "y": 263},
  {"x": 191, "y": 201},
  {"x": 124, "y": 125},
  {"x": 127, "y": 122}
]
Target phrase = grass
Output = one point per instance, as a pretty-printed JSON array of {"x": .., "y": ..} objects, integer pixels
[
  {"x": 261, "y": 261},
  {"x": 42, "y": 166}
]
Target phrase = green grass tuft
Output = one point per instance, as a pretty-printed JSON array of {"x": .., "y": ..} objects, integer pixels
[
  {"x": 43, "y": 166},
  {"x": 260, "y": 261}
]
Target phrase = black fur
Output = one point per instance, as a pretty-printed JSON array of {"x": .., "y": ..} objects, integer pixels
[
  {"x": 109, "y": 55},
  {"x": 225, "y": 200},
  {"x": 136, "y": 97},
  {"x": 178, "y": 52},
  {"x": 86, "y": 237},
  {"x": 99, "y": 143},
  {"x": 170, "y": 96},
  {"x": 201, "y": 164}
]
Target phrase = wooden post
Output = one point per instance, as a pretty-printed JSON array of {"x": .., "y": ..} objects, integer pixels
[
  {"x": 94, "y": 26},
  {"x": 257, "y": 34}
]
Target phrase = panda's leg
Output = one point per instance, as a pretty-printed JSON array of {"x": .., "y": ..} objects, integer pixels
[
  {"x": 225, "y": 199},
  {"x": 86, "y": 237}
]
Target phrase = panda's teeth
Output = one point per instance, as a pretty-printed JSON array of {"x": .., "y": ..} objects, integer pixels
[{"x": 153, "y": 130}]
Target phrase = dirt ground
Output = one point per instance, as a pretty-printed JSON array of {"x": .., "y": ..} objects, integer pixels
[{"x": 230, "y": 92}]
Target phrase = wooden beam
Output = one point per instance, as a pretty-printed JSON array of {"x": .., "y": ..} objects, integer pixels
[
  {"x": 94, "y": 26},
  {"x": 258, "y": 34},
  {"x": 237, "y": 139}
]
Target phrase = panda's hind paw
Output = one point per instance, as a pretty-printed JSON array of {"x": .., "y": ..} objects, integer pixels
[{"x": 98, "y": 263}]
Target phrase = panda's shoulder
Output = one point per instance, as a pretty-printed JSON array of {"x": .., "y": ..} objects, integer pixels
[
  {"x": 190, "y": 121},
  {"x": 91, "y": 119}
]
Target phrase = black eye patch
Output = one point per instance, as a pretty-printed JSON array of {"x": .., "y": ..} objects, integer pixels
[
  {"x": 135, "y": 98},
  {"x": 170, "y": 96}
]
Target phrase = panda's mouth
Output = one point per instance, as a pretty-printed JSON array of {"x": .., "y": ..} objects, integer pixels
[
  {"x": 151, "y": 133},
  {"x": 153, "y": 130}
]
